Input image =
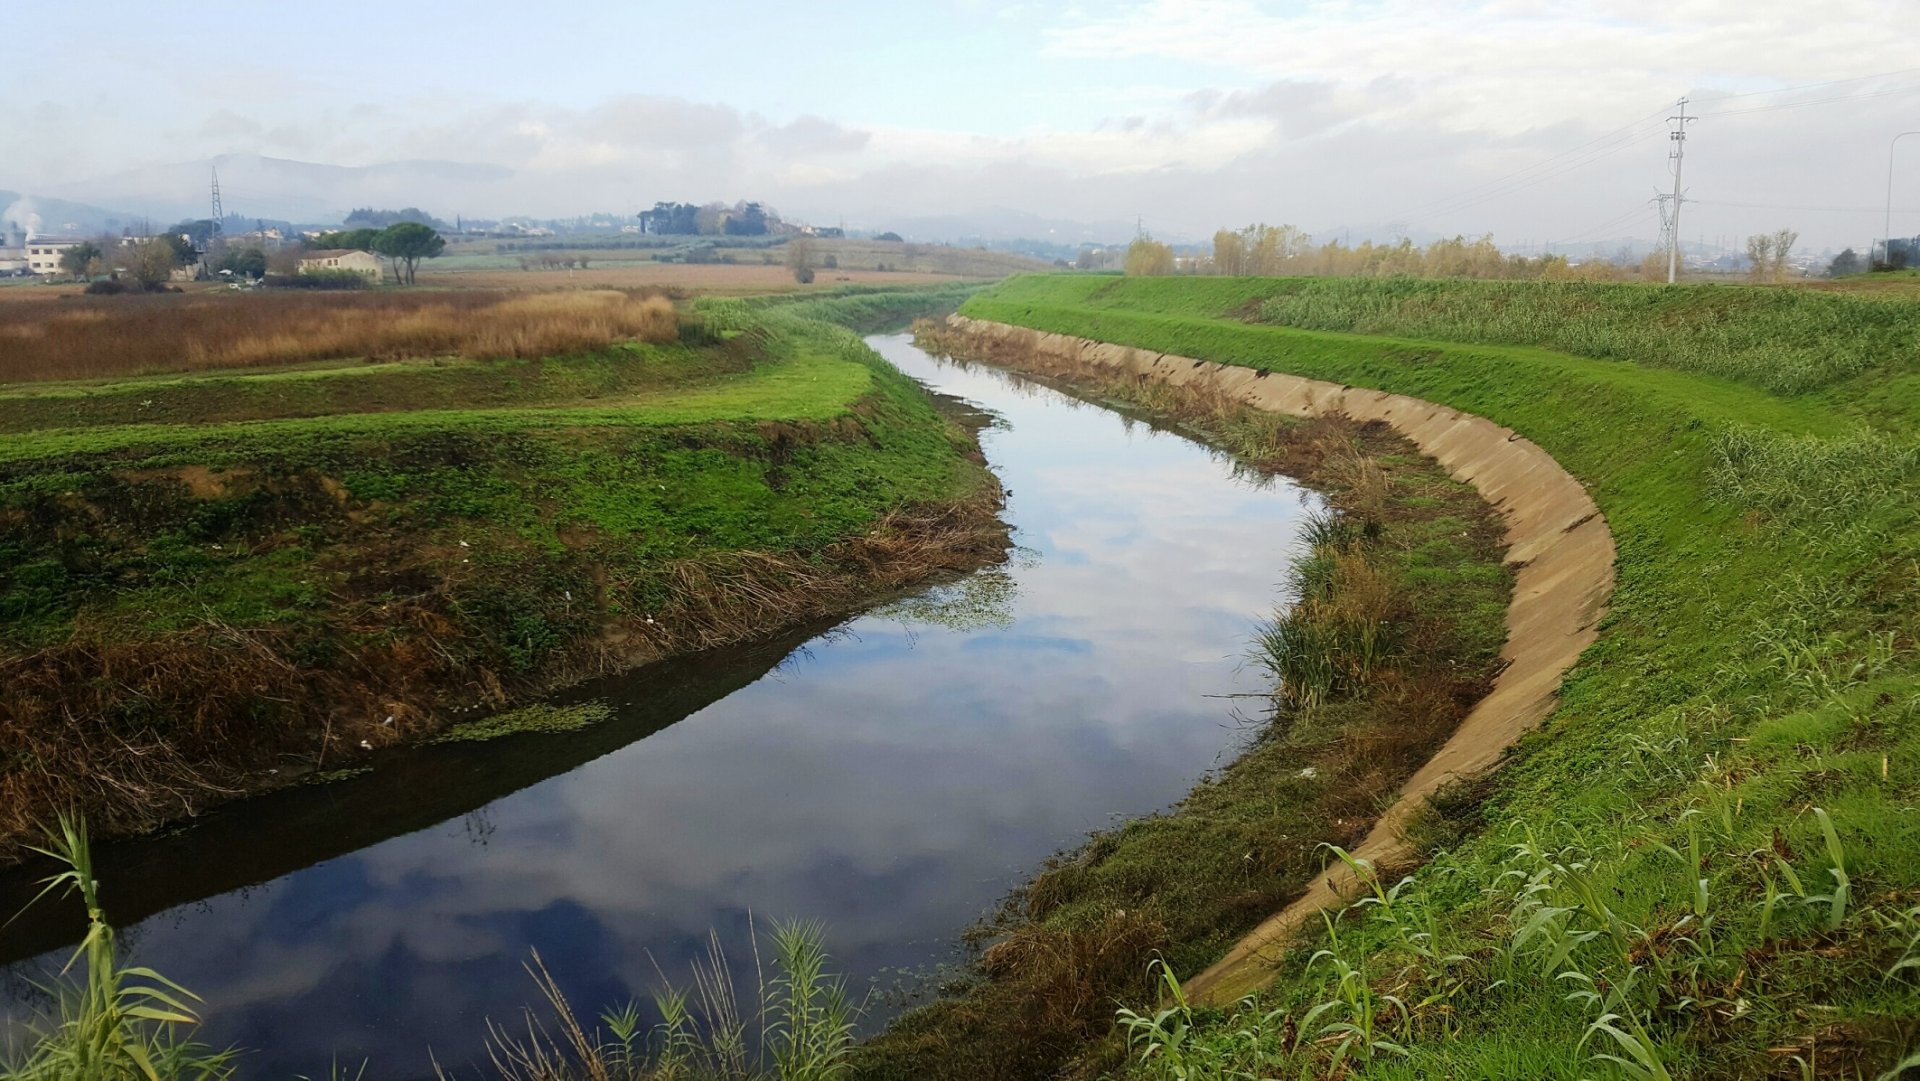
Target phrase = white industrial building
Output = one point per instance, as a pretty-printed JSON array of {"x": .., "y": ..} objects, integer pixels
[{"x": 44, "y": 252}]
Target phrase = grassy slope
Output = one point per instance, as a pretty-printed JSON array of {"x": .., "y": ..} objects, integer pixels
[
  {"x": 1758, "y": 662},
  {"x": 1780, "y": 339},
  {"x": 334, "y": 387},
  {"x": 431, "y": 555}
]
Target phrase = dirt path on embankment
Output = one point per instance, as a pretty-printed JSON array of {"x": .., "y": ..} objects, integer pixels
[{"x": 1557, "y": 541}]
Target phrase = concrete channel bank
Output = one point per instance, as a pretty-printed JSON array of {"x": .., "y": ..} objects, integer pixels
[{"x": 1557, "y": 540}]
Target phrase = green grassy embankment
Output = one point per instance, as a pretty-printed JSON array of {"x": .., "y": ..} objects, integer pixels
[
  {"x": 207, "y": 578},
  {"x": 1707, "y": 861}
]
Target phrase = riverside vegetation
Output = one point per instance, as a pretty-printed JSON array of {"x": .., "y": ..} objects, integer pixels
[
  {"x": 213, "y": 582},
  {"x": 1706, "y": 862}
]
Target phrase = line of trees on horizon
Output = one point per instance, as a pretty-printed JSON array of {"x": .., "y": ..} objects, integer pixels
[
  {"x": 404, "y": 243},
  {"x": 711, "y": 219},
  {"x": 1273, "y": 251}
]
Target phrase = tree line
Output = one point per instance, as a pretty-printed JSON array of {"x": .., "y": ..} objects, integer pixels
[
  {"x": 147, "y": 264},
  {"x": 712, "y": 219},
  {"x": 403, "y": 243},
  {"x": 1285, "y": 251}
]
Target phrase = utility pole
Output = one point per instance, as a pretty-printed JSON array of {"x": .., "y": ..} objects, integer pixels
[
  {"x": 1679, "y": 154},
  {"x": 1886, "y": 230}
]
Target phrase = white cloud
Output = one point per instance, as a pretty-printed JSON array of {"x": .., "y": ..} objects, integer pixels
[
  {"x": 1505, "y": 68},
  {"x": 1204, "y": 113}
]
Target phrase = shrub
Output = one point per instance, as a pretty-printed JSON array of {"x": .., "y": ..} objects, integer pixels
[{"x": 320, "y": 279}]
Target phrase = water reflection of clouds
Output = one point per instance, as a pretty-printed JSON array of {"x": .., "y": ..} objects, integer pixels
[{"x": 892, "y": 783}]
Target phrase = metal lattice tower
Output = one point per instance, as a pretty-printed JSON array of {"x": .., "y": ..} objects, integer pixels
[{"x": 213, "y": 233}]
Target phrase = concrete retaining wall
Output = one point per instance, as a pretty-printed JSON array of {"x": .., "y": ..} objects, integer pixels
[{"x": 1556, "y": 537}]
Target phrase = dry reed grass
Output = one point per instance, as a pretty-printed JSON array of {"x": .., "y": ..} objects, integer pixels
[
  {"x": 108, "y": 337},
  {"x": 705, "y": 279}
]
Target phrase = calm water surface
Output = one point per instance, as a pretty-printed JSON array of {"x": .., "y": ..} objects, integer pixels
[{"x": 892, "y": 777}]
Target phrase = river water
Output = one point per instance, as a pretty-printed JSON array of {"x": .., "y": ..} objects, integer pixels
[{"x": 892, "y": 777}]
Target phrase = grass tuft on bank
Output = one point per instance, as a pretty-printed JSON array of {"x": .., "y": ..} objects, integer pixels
[{"x": 1707, "y": 861}]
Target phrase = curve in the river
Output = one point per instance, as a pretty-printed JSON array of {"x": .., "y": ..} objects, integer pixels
[
  {"x": 892, "y": 780},
  {"x": 1557, "y": 540}
]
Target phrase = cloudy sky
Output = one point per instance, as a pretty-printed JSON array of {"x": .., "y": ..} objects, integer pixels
[{"x": 1536, "y": 121}]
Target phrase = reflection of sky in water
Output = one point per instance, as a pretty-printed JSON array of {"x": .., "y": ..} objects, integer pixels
[{"x": 893, "y": 780}]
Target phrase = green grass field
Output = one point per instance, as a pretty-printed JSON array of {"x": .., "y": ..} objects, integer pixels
[
  {"x": 1707, "y": 861},
  {"x": 228, "y": 567}
]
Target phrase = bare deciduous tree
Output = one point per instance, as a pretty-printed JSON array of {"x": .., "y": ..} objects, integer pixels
[
  {"x": 1229, "y": 253},
  {"x": 1783, "y": 242},
  {"x": 149, "y": 263},
  {"x": 800, "y": 258},
  {"x": 1760, "y": 254}
]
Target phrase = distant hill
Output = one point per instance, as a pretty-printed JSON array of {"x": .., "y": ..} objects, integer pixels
[
  {"x": 1005, "y": 224},
  {"x": 37, "y": 214},
  {"x": 254, "y": 186}
]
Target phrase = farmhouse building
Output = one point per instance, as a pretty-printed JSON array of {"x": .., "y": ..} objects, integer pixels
[{"x": 359, "y": 262}]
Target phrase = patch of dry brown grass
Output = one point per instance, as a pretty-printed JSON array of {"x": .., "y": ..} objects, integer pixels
[
  {"x": 106, "y": 337},
  {"x": 702, "y": 278}
]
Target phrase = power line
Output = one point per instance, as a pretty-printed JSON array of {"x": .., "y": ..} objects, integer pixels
[
  {"x": 1885, "y": 92},
  {"x": 1479, "y": 191},
  {"x": 1795, "y": 206},
  {"x": 1816, "y": 86},
  {"x": 1553, "y": 172},
  {"x": 1638, "y": 131},
  {"x": 1602, "y": 227}
]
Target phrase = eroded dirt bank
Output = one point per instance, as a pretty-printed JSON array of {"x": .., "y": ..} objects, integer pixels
[{"x": 1557, "y": 540}]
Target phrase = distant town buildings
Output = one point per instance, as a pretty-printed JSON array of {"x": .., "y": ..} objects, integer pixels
[{"x": 13, "y": 252}]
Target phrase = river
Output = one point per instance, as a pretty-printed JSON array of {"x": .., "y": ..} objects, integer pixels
[{"x": 891, "y": 777}]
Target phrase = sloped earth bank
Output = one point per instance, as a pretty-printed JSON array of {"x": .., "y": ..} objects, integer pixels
[
  {"x": 192, "y": 612},
  {"x": 1556, "y": 539}
]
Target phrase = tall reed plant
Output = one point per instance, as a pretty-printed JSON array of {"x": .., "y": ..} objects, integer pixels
[
  {"x": 109, "y": 1022},
  {"x": 801, "y": 1028},
  {"x": 1336, "y": 631}
]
